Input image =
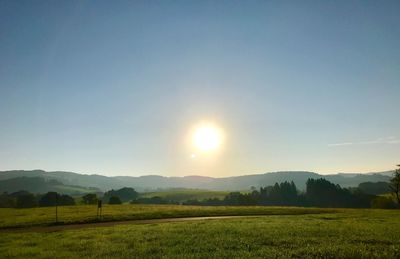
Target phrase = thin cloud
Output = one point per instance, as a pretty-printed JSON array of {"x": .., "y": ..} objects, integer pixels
[
  {"x": 386, "y": 140},
  {"x": 341, "y": 144}
]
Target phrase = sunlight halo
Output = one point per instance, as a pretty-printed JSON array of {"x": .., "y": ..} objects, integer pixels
[{"x": 207, "y": 138}]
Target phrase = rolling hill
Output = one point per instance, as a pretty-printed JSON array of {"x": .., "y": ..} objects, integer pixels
[
  {"x": 154, "y": 182},
  {"x": 37, "y": 184}
]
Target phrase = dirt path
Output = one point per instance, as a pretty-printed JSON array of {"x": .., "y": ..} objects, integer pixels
[{"x": 115, "y": 223}]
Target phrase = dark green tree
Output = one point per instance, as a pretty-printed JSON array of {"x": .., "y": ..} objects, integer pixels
[
  {"x": 53, "y": 199},
  {"x": 322, "y": 193},
  {"x": 26, "y": 200},
  {"x": 374, "y": 188},
  {"x": 114, "y": 200},
  {"x": 124, "y": 194},
  {"x": 6, "y": 201},
  {"x": 381, "y": 202},
  {"x": 395, "y": 185},
  {"x": 90, "y": 198},
  {"x": 67, "y": 200},
  {"x": 49, "y": 199}
]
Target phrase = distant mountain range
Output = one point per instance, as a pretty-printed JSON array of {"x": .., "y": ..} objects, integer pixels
[{"x": 153, "y": 182}]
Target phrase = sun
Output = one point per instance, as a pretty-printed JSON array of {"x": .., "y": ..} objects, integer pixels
[{"x": 207, "y": 138}]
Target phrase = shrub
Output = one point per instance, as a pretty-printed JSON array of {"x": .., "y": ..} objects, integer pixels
[
  {"x": 114, "y": 200},
  {"x": 90, "y": 198},
  {"x": 124, "y": 194},
  {"x": 26, "y": 200},
  {"x": 53, "y": 199},
  {"x": 382, "y": 202},
  {"x": 6, "y": 201}
]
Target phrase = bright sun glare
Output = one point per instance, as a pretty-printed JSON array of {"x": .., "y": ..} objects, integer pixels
[{"x": 207, "y": 138}]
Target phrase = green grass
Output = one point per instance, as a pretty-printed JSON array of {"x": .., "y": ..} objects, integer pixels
[
  {"x": 344, "y": 234},
  {"x": 73, "y": 190},
  {"x": 87, "y": 213},
  {"x": 181, "y": 195}
]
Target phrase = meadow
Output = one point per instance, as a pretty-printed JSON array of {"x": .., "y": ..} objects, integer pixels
[
  {"x": 41, "y": 216},
  {"x": 345, "y": 233}
]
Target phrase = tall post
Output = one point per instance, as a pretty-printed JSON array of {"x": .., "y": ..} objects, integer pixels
[{"x": 99, "y": 206}]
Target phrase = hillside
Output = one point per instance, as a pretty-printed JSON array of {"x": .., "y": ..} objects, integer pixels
[
  {"x": 38, "y": 184},
  {"x": 182, "y": 195},
  {"x": 154, "y": 182}
]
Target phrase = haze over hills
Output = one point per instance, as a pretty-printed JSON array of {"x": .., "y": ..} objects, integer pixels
[
  {"x": 235, "y": 183},
  {"x": 37, "y": 184}
]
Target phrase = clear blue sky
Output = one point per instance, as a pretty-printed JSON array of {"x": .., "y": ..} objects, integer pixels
[{"x": 114, "y": 87}]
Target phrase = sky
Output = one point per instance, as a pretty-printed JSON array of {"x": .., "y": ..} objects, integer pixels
[{"x": 116, "y": 88}]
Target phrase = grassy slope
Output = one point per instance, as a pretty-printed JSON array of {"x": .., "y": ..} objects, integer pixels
[
  {"x": 181, "y": 195},
  {"x": 87, "y": 213},
  {"x": 73, "y": 190},
  {"x": 347, "y": 234}
]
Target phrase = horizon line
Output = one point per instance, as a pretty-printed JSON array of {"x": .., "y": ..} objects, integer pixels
[{"x": 197, "y": 175}]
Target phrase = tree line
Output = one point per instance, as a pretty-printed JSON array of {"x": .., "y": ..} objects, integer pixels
[
  {"x": 318, "y": 193},
  {"x": 24, "y": 199}
]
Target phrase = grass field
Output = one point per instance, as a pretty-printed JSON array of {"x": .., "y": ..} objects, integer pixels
[
  {"x": 87, "y": 213},
  {"x": 343, "y": 234},
  {"x": 73, "y": 190}
]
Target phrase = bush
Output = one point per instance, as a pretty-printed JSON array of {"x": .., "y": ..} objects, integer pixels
[
  {"x": 382, "y": 202},
  {"x": 124, "y": 194},
  {"x": 90, "y": 198},
  {"x": 66, "y": 200},
  {"x": 114, "y": 200},
  {"x": 53, "y": 199},
  {"x": 26, "y": 200},
  {"x": 6, "y": 201}
]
